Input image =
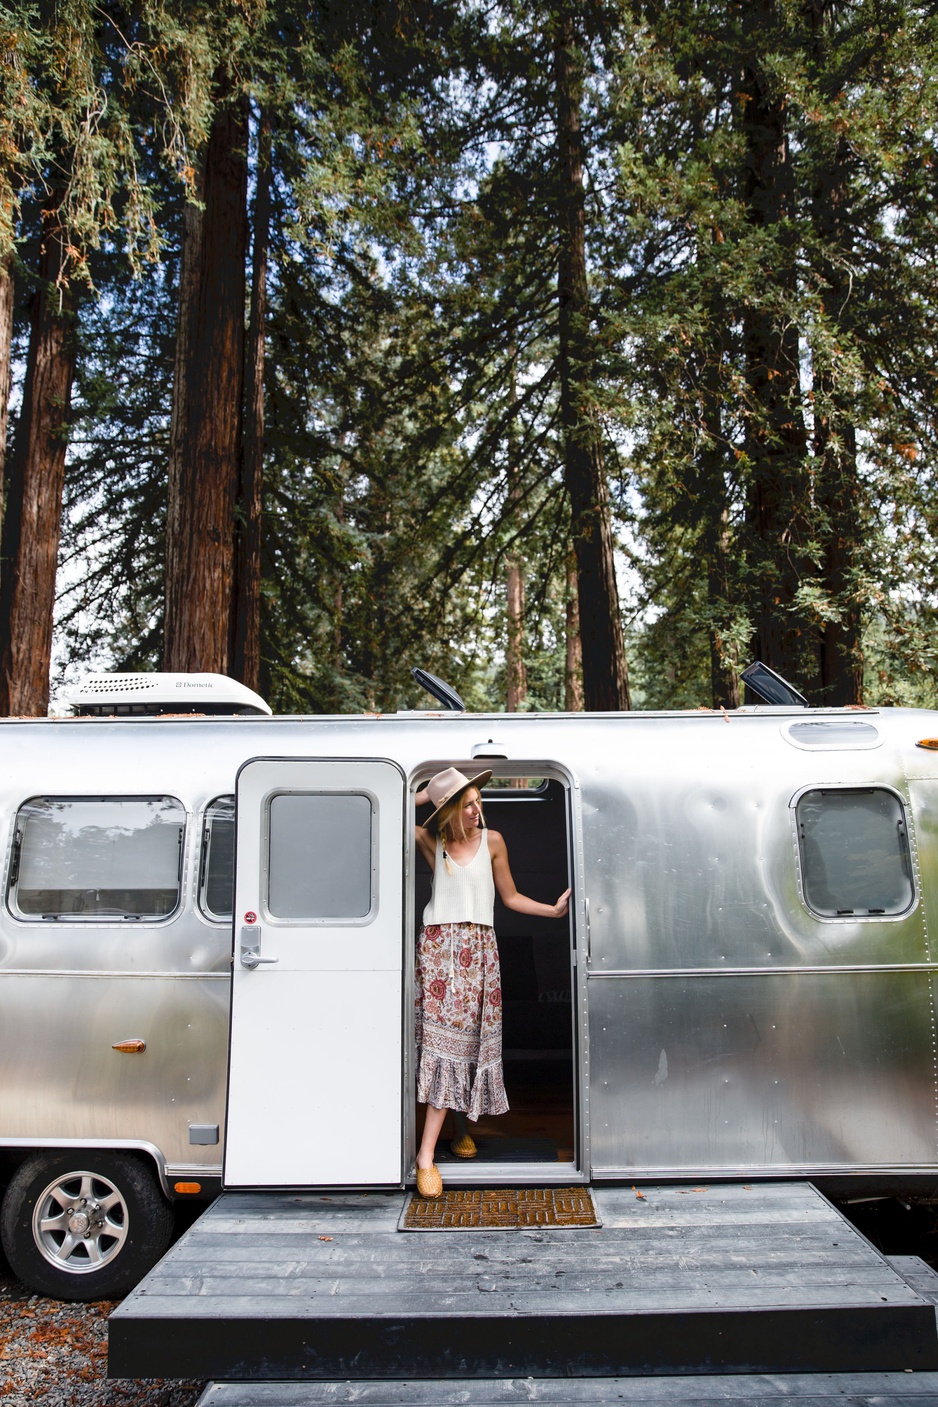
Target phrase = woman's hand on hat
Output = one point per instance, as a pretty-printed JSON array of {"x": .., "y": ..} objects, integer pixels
[{"x": 562, "y": 904}]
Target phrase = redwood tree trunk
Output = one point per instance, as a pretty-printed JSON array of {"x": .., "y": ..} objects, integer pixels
[
  {"x": 6, "y": 360},
  {"x": 573, "y": 670},
  {"x": 776, "y": 443},
  {"x": 246, "y": 656},
  {"x": 605, "y": 678},
  {"x": 31, "y": 526},
  {"x": 205, "y": 452}
]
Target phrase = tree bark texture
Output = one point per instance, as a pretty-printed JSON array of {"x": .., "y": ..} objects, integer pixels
[
  {"x": 776, "y": 442},
  {"x": 605, "y": 677},
  {"x": 32, "y": 520},
  {"x": 206, "y": 441},
  {"x": 246, "y": 609},
  {"x": 573, "y": 672},
  {"x": 6, "y": 361}
]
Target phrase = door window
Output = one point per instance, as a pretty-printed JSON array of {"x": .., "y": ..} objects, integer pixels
[
  {"x": 321, "y": 857},
  {"x": 854, "y": 849},
  {"x": 97, "y": 857}
]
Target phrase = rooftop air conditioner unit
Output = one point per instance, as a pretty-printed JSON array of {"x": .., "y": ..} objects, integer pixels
[{"x": 142, "y": 695}]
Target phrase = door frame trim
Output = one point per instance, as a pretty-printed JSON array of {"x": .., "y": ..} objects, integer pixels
[{"x": 514, "y": 1174}]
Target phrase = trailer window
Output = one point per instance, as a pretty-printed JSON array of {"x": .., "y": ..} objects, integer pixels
[
  {"x": 854, "y": 849},
  {"x": 217, "y": 873},
  {"x": 321, "y": 856},
  {"x": 97, "y": 857}
]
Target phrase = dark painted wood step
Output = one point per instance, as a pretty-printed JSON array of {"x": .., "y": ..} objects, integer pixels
[
  {"x": 723, "y": 1278},
  {"x": 801, "y": 1389}
]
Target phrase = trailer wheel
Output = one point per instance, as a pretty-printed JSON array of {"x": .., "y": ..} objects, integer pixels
[{"x": 84, "y": 1225}]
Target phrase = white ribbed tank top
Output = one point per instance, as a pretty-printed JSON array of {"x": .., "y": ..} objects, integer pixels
[{"x": 468, "y": 894}]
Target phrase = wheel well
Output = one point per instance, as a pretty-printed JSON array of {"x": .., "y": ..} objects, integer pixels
[{"x": 11, "y": 1158}]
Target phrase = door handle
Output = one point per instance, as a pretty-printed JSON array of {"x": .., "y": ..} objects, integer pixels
[
  {"x": 251, "y": 948},
  {"x": 589, "y": 947}
]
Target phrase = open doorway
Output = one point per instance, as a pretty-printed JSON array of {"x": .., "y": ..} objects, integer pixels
[{"x": 538, "y": 977}]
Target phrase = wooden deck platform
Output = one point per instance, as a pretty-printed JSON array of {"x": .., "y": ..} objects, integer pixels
[
  {"x": 793, "y": 1389},
  {"x": 679, "y": 1280}
]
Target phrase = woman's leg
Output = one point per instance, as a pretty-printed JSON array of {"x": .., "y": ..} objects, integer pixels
[
  {"x": 463, "y": 1145},
  {"x": 432, "y": 1124}
]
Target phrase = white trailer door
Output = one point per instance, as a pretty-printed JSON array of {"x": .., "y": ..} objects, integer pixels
[{"x": 316, "y": 1047}]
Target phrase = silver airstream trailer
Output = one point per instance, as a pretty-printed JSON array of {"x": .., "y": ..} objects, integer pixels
[{"x": 207, "y": 946}]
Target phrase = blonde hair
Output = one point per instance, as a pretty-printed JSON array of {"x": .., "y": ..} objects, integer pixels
[{"x": 447, "y": 823}]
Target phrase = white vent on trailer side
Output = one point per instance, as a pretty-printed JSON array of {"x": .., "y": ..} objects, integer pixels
[{"x": 139, "y": 695}]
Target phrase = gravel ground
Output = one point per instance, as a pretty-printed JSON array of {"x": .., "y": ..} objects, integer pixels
[{"x": 55, "y": 1355}]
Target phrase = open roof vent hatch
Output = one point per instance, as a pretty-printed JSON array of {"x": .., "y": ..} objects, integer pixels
[
  {"x": 443, "y": 694},
  {"x": 770, "y": 687}
]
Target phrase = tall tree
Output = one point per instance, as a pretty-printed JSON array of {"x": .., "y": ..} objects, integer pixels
[
  {"x": 6, "y": 359},
  {"x": 30, "y": 536},
  {"x": 245, "y": 614},
  {"x": 206, "y": 444},
  {"x": 779, "y": 491},
  {"x": 605, "y": 678}
]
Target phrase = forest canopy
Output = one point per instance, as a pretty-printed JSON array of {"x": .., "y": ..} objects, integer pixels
[{"x": 580, "y": 353}]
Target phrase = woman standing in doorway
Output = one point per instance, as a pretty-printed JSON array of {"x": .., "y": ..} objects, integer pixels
[{"x": 459, "y": 997}]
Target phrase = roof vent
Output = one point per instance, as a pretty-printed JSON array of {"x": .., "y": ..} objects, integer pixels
[
  {"x": 444, "y": 693},
  {"x": 147, "y": 695},
  {"x": 771, "y": 687}
]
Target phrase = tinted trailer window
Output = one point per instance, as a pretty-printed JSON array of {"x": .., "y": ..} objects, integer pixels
[
  {"x": 97, "y": 857},
  {"x": 854, "y": 850}
]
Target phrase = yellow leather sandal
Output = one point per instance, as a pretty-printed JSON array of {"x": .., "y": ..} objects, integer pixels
[{"x": 429, "y": 1182}]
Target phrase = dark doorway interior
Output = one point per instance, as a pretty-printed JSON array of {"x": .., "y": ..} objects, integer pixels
[{"x": 537, "y": 981}]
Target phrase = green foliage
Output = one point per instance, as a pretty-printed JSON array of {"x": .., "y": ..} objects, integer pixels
[{"x": 412, "y": 393}]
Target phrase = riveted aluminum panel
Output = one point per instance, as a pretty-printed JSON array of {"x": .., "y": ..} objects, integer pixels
[
  {"x": 692, "y": 860},
  {"x": 682, "y": 845},
  {"x": 799, "y": 1071},
  {"x": 62, "y": 1080}
]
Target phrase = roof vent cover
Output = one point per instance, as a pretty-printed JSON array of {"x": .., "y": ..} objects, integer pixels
[{"x": 143, "y": 695}]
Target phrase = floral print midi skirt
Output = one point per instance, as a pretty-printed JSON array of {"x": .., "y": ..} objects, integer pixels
[{"x": 459, "y": 1019}]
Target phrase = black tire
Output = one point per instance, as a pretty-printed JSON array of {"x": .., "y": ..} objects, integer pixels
[{"x": 84, "y": 1225}]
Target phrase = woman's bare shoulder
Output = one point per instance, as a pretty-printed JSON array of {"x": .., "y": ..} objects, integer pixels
[{"x": 496, "y": 841}]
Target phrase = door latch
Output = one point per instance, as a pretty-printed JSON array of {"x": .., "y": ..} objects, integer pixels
[{"x": 251, "y": 947}]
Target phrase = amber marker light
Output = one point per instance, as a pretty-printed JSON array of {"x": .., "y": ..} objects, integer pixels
[
  {"x": 930, "y": 743},
  {"x": 132, "y": 1047},
  {"x": 190, "y": 1189}
]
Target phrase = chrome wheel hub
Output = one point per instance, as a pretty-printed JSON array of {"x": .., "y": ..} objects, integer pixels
[{"x": 80, "y": 1222}]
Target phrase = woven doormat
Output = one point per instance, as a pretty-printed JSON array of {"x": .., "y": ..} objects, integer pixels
[{"x": 498, "y": 1209}]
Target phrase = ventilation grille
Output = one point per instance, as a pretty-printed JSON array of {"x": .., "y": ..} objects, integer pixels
[{"x": 112, "y": 684}]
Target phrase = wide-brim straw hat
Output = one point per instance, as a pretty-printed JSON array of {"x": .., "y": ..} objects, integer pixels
[{"x": 449, "y": 783}]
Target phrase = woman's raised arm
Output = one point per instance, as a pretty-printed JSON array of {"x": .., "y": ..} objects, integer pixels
[{"x": 508, "y": 893}]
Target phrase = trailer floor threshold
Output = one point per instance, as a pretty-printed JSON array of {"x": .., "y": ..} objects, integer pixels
[{"x": 677, "y": 1280}]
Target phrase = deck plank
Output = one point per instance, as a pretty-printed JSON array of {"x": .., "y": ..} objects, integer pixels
[
  {"x": 804, "y": 1389},
  {"x": 718, "y": 1278}
]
